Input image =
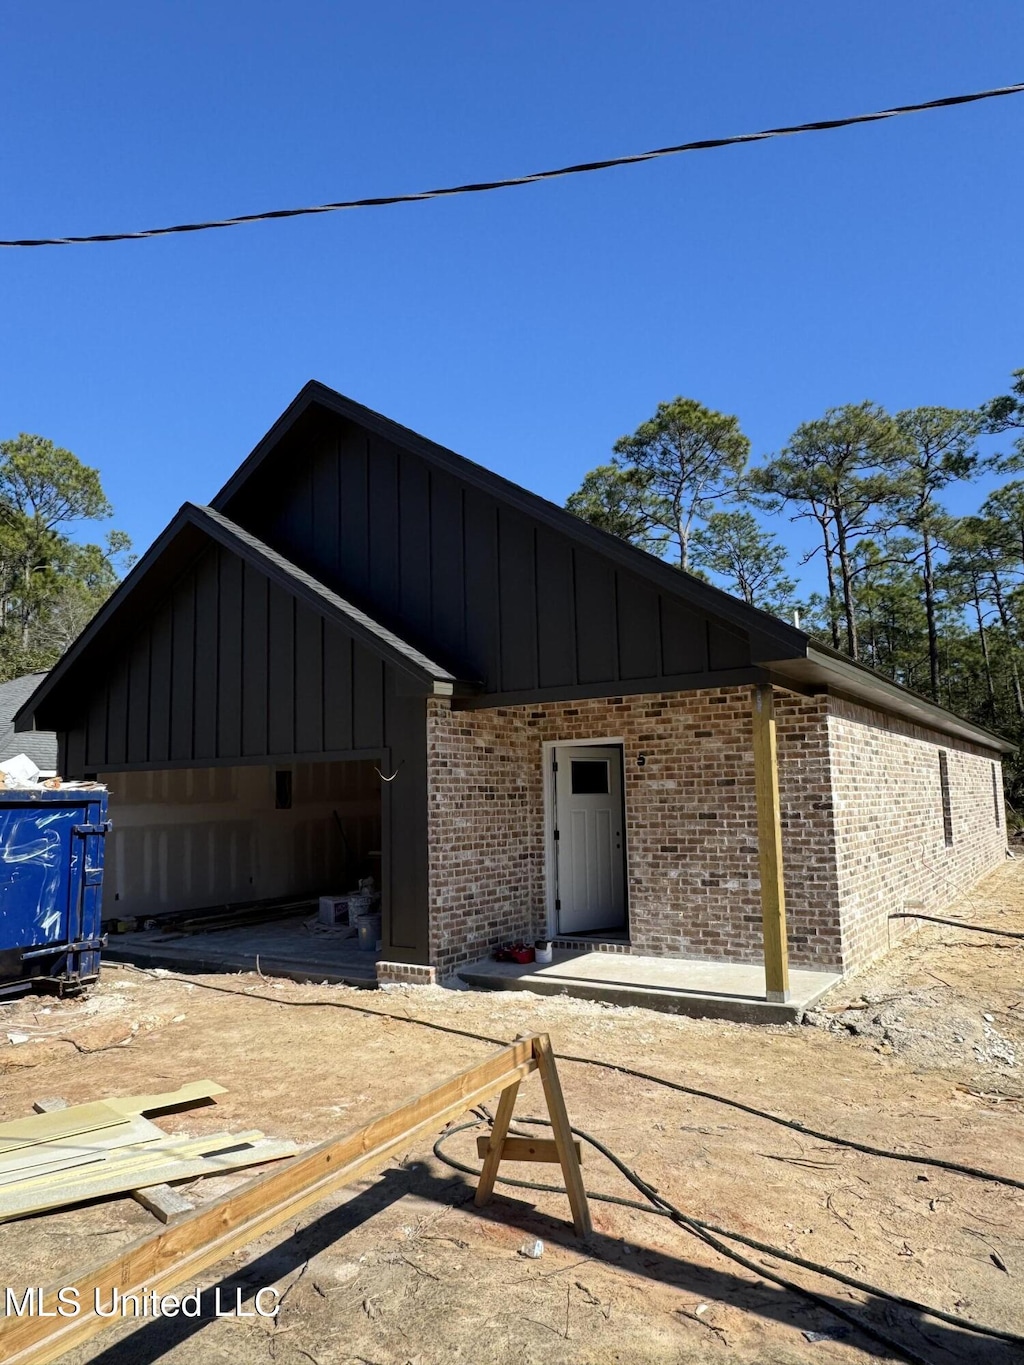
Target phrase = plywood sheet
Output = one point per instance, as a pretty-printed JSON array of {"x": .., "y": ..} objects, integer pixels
[
  {"x": 190, "y": 1093},
  {"x": 46, "y": 1156},
  {"x": 63, "y": 1123},
  {"x": 107, "y": 1178}
]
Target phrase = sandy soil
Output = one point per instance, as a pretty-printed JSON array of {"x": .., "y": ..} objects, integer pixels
[{"x": 922, "y": 1053}]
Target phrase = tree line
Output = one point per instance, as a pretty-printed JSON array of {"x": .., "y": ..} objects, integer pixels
[
  {"x": 51, "y": 583},
  {"x": 917, "y": 573}
]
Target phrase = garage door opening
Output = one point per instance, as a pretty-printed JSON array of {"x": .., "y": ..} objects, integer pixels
[{"x": 223, "y": 864}]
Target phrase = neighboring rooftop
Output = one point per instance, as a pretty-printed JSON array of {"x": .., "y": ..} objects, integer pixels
[{"x": 39, "y": 745}]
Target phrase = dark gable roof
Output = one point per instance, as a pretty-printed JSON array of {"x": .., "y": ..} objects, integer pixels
[
  {"x": 786, "y": 652},
  {"x": 170, "y": 555},
  {"x": 783, "y": 651},
  {"x": 768, "y": 634}
]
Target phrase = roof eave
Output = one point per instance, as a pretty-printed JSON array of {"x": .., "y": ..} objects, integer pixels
[
  {"x": 278, "y": 568},
  {"x": 827, "y": 669},
  {"x": 24, "y": 717},
  {"x": 423, "y": 671}
]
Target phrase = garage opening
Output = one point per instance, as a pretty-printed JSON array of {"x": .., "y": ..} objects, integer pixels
[{"x": 220, "y": 862}]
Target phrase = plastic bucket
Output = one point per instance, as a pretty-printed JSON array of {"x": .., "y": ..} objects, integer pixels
[{"x": 368, "y": 928}]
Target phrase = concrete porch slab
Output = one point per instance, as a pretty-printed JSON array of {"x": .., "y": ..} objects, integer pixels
[
  {"x": 710, "y": 990},
  {"x": 282, "y": 947}
]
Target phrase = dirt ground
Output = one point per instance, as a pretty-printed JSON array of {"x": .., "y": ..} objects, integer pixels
[{"x": 922, "y": 1053}]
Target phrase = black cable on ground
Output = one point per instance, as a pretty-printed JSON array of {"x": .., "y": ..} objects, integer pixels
[
  {"x": 959, "y": 924},
  {"x": 163, "y": 975},
  {"x": 709, "y": 1232},
  {"x": 912, "y": 1158}
]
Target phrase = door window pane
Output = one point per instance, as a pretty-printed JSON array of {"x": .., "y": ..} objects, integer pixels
[{"x": 589, "y": 777}]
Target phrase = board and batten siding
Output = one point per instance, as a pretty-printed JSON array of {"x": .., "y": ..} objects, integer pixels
[
  {"x": 231, "y": 668},
  {"x": 499, "y": 597}
]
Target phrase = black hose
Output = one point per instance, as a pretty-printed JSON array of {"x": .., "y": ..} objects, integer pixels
[
  {"x": 709, "y": 1232},
  {"x": 959, "y": 924},
  {"x": 974, "y": 1172}
]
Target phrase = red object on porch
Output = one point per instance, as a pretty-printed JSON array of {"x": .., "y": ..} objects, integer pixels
[{"x": 515, "y": 952}]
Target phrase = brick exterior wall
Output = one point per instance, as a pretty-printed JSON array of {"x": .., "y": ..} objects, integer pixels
[
  {"x": 890, "y": 837},
  {"x": 690, "y": 824},
  {"x": 860, "y": 808},
  {"x": 479, "y": 833}
]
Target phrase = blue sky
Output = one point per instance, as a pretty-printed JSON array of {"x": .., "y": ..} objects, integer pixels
[{"x": 528, "y": 328}]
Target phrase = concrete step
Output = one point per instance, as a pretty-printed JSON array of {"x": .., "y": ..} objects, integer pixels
[
  {"x": 176, "y": 959},
  {"x": 708, "y": 990}
]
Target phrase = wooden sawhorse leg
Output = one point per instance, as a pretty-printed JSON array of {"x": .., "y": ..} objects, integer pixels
[{"x": 564, "y": 1148}]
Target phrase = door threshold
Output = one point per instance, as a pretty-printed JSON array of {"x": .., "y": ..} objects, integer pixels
[{"x": 593, "y": 943}]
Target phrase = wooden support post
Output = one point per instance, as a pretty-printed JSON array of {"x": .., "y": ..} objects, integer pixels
[
  {"x": 571, "y": 1174},
  {"x": 495, "y": 1143},
  {"x": 769, "y": 843}
]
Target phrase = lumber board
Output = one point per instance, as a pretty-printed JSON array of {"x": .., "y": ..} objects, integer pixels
[
  {"x": 494, "y": 1143},
  {"x": 186, "y": 1096},
  {"x": 142, "y": 1157},
  {"x": 159, "y": 1200},
  {"x": 242, "y": 919},
  {"x": 61, "y": 1123},
  {"x": 563, "y": 1135},
  {"x": 43, "y": 1165},
  {"x": 527, "y": 1149},
  {"x": 54, "y": 1124},
  {"x": 179, "y": 1253},
  {"x": 163, "y": 1202},
  {"x": 95, "y": 1183},
  {"x": 29, "y": 1161}
]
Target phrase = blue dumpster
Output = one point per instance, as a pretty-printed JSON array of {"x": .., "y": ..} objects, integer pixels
[{"x": 51, "y": 881}]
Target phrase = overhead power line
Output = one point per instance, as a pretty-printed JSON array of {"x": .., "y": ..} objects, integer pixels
[{"x": 581, "y": 168}]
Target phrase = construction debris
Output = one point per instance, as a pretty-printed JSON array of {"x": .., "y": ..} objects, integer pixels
[
  {"x": 160, "y": 1200},
  {"x": 64, "y": 1154},
  {"x": 21, "y": 774},
  {"x": 175, "y": 1256}
]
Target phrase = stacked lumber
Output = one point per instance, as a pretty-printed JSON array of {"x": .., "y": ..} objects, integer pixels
[{"x": 71, "y": 1153}]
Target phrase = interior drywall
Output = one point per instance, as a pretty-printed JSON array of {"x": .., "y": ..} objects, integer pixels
[{"x": 192, "y": 837}]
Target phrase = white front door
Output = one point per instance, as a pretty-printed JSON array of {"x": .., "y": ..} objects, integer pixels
[{"x": 590, "y": 866}]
